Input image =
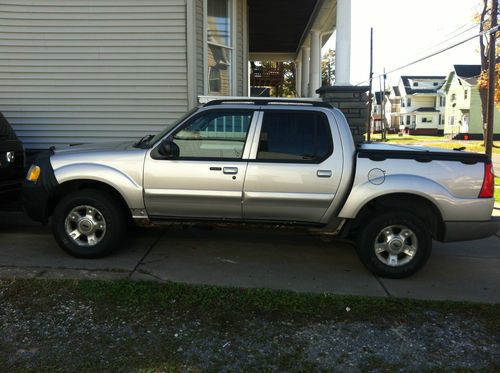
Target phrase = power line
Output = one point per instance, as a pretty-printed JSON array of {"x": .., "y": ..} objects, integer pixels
[
  {"x": 446, "y": 40},
  {"x": 434, "y": 54}
]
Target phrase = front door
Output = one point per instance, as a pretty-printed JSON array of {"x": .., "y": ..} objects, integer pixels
[
  {"x": 206, "y": 179},
  {"x": 295, "y": 171}
]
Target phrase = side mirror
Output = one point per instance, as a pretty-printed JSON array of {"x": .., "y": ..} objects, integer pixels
[{"x": 168, "y": 149}]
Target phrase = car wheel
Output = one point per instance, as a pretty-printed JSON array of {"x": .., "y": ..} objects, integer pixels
[
  {"x": 89, "y": 224},
  {"x": 394, "y": 244}
]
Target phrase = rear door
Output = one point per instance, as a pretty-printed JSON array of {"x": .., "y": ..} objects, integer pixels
[{"x": 294, "y": 170}]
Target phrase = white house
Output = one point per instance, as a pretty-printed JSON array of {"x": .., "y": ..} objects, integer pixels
[
  {"x": 93, "y": 70},
  {"x": 422, "y": 104},
  {"x": 393, "y": 108}
]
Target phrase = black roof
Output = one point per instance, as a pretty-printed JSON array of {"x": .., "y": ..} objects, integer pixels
[
  {"x": 396, "y": 91},
  {"x": 410, "y": 90},
  {"x": 469, "y": 73},
  {"x": 378, "y": 97},
  {"x": 426, "y": 110}
]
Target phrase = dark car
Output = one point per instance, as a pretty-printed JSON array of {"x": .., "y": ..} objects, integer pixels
[{"x": 12, "y": 160}]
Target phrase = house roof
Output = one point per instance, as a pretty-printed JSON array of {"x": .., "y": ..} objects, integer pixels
[
  {"x": 278, "y": 25},
  {"x": 469, "y": 73},
  {"x": 378, "y": 97},
  {"x": 396, "y": 91},
  {"x": 410, "y": 89},
  {"x": 426, "y": 110}
]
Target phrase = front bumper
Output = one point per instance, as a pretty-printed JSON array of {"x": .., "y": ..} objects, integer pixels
[
  {"x": 37, "y": 196},
  {"x": 470, "y": 230}
]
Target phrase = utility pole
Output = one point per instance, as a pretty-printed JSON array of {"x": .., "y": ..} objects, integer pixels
[
  {"x": 384, "y": 129},
  {"x": 491, "y": 78},
  {"x": 370, "y": 96}
]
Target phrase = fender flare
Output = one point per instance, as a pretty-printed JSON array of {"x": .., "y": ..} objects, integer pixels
[
  {"x": 363, "y": 193},
  {"x": 127, "y": 187}
]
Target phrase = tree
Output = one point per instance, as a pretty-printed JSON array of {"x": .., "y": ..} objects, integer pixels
[
  {"x": 289, "y": 72},
  {"x": 484, "y": 19},
  {"x": 328, "y": 68}
]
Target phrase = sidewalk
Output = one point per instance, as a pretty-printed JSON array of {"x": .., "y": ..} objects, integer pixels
[
  {"x": 496, "y": 164},
  {"x": 465, "y": 271}
]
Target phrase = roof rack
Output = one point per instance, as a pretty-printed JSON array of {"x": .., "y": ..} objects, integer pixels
[{"x": 260, "y": 101}]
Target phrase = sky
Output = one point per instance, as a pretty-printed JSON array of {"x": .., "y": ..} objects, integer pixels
[{"x": 405, "y": 30}]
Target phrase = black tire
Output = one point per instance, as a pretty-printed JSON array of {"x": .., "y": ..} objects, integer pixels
[
  {"x": 108, "y": 207},
  {"x": 369, "y": 233}
]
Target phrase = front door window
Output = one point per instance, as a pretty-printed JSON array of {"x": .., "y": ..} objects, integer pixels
[{"x": 214, "y": 135}]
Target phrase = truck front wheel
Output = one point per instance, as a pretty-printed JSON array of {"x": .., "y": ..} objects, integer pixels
[
  {"x": 89, "y": 223},
  {"x": 394, "y": 244}
]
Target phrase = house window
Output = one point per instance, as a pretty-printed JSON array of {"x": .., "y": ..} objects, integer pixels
[
  {"x": 442, "y": 101},
  {"x": 219, "y": 47},
  {"x": 402, "y": 102},
  {"x": 408, "y": 119},
  {"x": 466, "y": 94},
  {"x": 408, "y": 102},
  {"x": 453, "y": 97}
]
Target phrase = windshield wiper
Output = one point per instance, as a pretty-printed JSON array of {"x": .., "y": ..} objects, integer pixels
[{"x": 143, "y": 140}]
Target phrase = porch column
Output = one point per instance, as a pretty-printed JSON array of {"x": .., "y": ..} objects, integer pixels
[
  {"x": 343, "y": 43},
  {"x": 298, "y": 75},
  {"x": 315, "y": 69},
  {"x": 304, "y": 81}
]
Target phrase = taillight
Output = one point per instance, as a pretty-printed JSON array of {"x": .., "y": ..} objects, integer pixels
[{"x": 488, "y": 188}]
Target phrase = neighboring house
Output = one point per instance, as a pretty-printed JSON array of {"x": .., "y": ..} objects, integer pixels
[
  {"x": 377, "y": 112},
  {"x": 422, "y": 104},
  {"x": 97, "y": 70},
  {"x": 393, "y": 108},
  {"x": 463, "y": 104}
]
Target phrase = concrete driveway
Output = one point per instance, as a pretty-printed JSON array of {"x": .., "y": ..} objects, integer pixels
[{"x": 250, "y": 258}]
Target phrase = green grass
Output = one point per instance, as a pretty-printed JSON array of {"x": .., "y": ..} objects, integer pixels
[
  {"x": 231, "y": 303},
  {"x": 438, "y": 142}
]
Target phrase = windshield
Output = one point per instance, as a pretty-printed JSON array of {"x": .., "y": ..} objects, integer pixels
[{"x": 168, "y": 128}]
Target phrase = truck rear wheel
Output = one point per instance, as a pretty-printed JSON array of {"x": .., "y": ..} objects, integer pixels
[
  {"x": 89, "y": 224},
  {"x": 394, "y": 244}
]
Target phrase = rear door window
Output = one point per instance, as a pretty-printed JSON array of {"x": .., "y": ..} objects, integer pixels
[{"x": 295, "y": 136}]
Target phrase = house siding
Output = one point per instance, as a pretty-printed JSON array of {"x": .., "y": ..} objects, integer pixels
[
  {"x": 199, "y": 48},
  {"x": 91, "y": 70}
]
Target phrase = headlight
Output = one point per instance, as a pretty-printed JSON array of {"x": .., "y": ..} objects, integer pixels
[{"x": 33, "y": 173}]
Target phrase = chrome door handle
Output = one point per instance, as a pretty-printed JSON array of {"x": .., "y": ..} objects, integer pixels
[
  {"x": 324, "y": 173},
  {"x": 230, "y": 170}
]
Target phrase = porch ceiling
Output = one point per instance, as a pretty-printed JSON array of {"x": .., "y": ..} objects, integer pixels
[{"x": 277, "y": 26}]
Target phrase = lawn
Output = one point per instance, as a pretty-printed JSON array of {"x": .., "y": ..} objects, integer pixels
[
  {"x": 88, "y": 326},
  {"x": 437, "y": 141}
]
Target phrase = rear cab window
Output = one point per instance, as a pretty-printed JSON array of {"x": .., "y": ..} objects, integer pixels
[{"x": 294, "y": 137}]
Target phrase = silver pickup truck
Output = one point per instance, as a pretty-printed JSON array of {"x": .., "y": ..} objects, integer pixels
[{"x": 287, "y": 163}]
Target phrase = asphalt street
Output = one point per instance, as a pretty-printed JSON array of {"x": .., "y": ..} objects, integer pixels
[{"x": 465, "y": 271}]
